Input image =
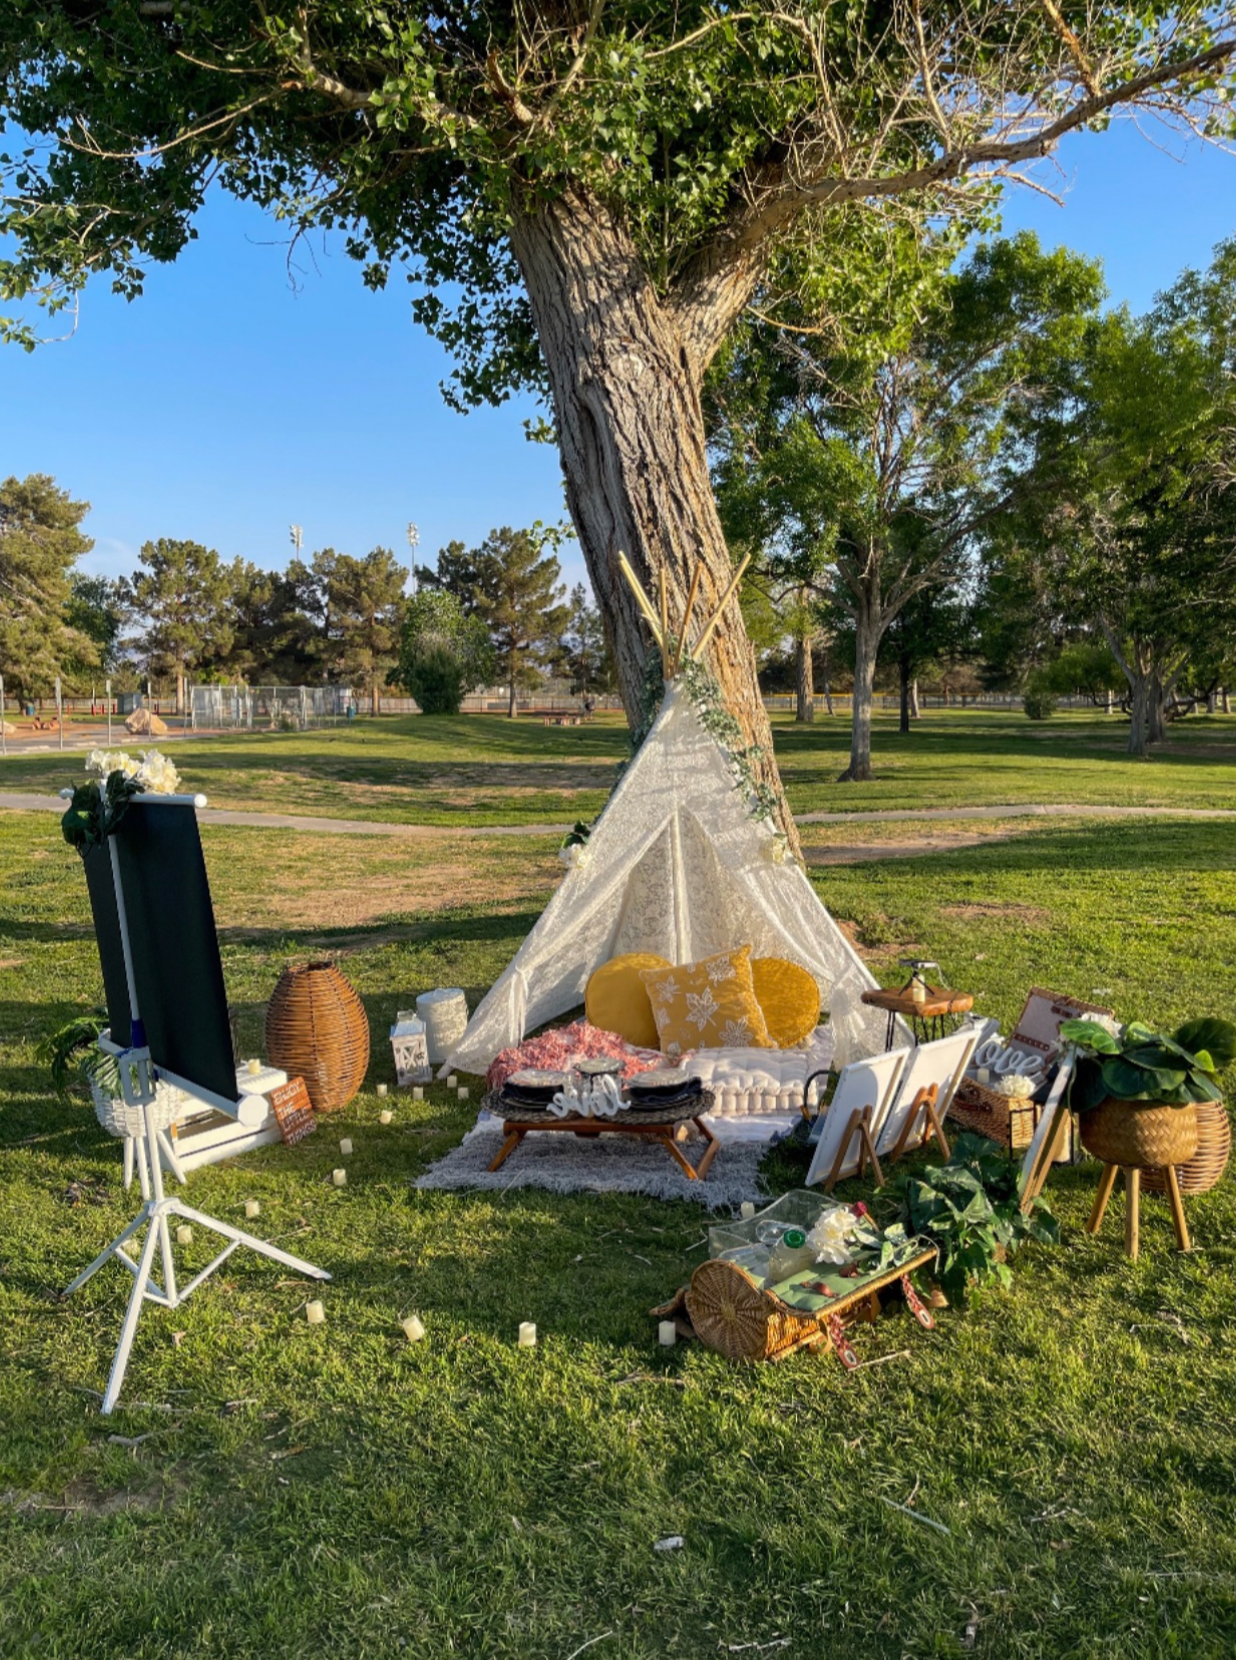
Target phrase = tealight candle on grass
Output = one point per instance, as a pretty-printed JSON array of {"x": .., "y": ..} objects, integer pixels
[
  {"x": 315, "y": 1313},
  {"x": 252, "y": 1208},
  {"x": 345, "y": 1146},
  {"x": 184, "y": 1234},
  {"x": 463, "y": 1092},
  {"x": 667, "y": 1334},
  {"x": 452, "y": 1080},
  {"x": 385, "y": 1116},
  {"x": 413, "y": 1330},
  {"x": 527, "y": 1334},
  {"x": 381, "y": 1092},
  {"x": 747, "y": 1210},
  {"x": 339, "y": 1177},
  {"x": 418, "y": 1093}
]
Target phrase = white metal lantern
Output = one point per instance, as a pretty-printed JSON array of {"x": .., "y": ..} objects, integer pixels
[{"x": 411, "y": 1051}]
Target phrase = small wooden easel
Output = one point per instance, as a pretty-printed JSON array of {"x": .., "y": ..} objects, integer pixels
[
  {"x": 1132, "y": 1214},
  {"x": 924, "y": 1105},
  {"x": 860, "y": 1125}
]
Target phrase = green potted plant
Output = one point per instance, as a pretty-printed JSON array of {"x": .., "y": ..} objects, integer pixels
[
  {"x": 1137, "y": 1091},
  {"x": 72, "y": 1055}
]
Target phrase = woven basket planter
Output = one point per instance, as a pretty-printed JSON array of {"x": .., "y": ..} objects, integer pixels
[
  {"x": 1135, "y": 1134},
  {"x": 1214, "y": 1143},
  {"x": 118, "y": 1118},
  {"x": 317, "y": 1029}
]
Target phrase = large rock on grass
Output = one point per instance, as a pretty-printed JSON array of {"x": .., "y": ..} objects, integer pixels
[{"x": 142, "y": 723}]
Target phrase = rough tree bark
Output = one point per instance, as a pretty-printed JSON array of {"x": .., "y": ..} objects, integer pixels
[
  {"x": 907, "y": 680},
  {"x": 804, "y": 709},
  {"x": 916, "y": 712},
  {"x": 625, "y": 371},
  {"x": 867, "y": 632}
]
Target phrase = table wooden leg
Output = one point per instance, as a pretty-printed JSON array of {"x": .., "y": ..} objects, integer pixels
[
  {"x": 507, "y": 1148},
  {"x": 1132, "y": 1213},
  {"x": 667, "y": 1141},
  {"x": 710, "y": 1152},
  {"x": 1178, "y": 1212},
  {"x": 1106, "y": 1182}
]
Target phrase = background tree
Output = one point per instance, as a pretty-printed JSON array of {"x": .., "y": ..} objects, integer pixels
[
  {"x": 367, "y": 603},
  {"x": 96, "y": 609},
  {"x": 518, "y": 597},
  {"x": 587, "y": 197},
  {"x": 312, "y": 594},
  {"x": 933, "y": 627},
  {"x": 40, "y": 542},
  {"x": 586, "y": 659},
  {"x": 179, "y": 603},
  {"x": 444, "y": 652},
  {"x": 895, "y": 443}
]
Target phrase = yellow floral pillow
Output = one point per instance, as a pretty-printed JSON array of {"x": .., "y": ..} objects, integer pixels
[{"x": 707, "y": 1005}]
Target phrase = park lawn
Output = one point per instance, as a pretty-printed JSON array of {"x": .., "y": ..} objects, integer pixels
[
  {"x": 485, "y": 770},
  {"x": 335, "y": 1492}
]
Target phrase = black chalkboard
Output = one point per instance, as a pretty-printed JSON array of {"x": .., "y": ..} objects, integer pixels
[{"x": 172, "y": 940}]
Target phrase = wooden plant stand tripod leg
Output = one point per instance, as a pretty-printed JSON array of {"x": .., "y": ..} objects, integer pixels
[
  {"x": 1177, "y": 1204},
  {"x": 1106, "y": 1182},
  {"x": 1132, "y": 1215},
  {"x": 1132, "y": 1212}
]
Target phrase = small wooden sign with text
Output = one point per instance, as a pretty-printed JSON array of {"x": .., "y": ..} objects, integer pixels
[{"x": 293, "y": 1110}]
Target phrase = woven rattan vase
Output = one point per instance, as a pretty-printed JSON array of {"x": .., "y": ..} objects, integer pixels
[
  {"x": 317, "y": 1029},
  {"x": 1135, "y": 1134},
  {"x": 1203, "y": 1170}
]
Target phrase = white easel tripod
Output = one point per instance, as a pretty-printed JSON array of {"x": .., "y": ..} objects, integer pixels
[{"x": 137, "y": 1082}]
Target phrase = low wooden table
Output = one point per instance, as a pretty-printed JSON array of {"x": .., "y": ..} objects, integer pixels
[
  {"x": 930, "y": 1017},
  {"x": 663, "y": 1132}
]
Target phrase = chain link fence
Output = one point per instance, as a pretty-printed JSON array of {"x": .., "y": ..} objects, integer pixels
[{"x": 269, "y": 708}]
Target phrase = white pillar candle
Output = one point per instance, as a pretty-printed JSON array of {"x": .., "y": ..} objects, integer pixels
[
  {"x": 413, "y": 1330},
  {"x": 255, "y": 1066},
  {"x": 418, "y": 1094},
  {"x": 339, "y": 1177},
  {"x": 463, "y": 1092},
  {"x": 315, "y": 1313},
  {"x": 252, "y": 1208},
  {"x": 452, "y": 1081},
  {"x": 748, "y": 1210},
  {"x": 527, "y": 1334},
  {"x": 345, "y": 1146},
  {"x": 385, "y": 1116},
  {"x": 381, "y": 1092},
  {"x": 184, "y": 1233},
  {"x": 667, "y": 1334}
]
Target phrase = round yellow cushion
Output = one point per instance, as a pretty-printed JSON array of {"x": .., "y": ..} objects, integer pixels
[
  {"x": 789, "y": 998},
  {"x": 616, "y": 999}
]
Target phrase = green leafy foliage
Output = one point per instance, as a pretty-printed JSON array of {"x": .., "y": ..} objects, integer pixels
[
  {"x": 96, "y": 808},
  {"x": 971, "y": 1208},
  {"x": 72, "y": 1055},
  {"x": 1143, "y": 1065}
]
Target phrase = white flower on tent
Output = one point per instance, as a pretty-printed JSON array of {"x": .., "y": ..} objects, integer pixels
[
  {"x": 701, "y": 1006},
  {"x": 777, "y": 850},
  {"x": 735, "y": 1034},
  {"x": 575, "y": 857}
]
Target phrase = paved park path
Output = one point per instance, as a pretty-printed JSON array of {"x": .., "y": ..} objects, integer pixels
[{"x": 17, "y": 801}]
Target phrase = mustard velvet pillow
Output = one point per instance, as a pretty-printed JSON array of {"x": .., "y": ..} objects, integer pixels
[
  {"x": 616, "y": 999},
  {"x": 707, "y": 1005},
  {"x": 788, "y": 997}
]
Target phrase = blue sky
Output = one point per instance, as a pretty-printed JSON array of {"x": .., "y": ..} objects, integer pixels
[{"x": 227, "y": 404}]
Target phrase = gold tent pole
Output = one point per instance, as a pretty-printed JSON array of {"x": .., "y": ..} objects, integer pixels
[
  {"x": 686, "y": 616},
  {"x": 716, "y": 616}
]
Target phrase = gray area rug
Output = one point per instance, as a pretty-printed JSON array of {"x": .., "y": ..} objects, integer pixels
[{"x": 601, "y": 1164}]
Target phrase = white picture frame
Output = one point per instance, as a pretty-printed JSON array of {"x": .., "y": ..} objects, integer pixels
[{"x": 1036, "y": 1162}]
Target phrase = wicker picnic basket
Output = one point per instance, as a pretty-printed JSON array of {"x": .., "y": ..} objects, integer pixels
[
  {"x": 317, "y": 1029},
  {"x": 1202, "y": 1172},
  {"x": 1008, "y": 1120}
]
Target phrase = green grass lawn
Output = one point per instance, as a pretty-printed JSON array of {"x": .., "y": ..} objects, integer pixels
[
  {"x": 333, "y": 1492},
  {"x": 486, "y": 770}
]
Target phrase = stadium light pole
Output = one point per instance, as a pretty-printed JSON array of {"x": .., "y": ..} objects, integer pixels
[{"x": 414, "y": 540}]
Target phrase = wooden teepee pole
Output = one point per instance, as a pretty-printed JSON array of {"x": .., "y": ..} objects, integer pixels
[
  {"x": 716, "y": 616},
  {"x": 665, "y": 664},
  {"x": 642, "y": 600},
  {"x": 686, "y": 616}
]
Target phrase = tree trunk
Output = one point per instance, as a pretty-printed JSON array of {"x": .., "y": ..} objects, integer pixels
[
  {"x": 625, "y": 387},
  {"x": 828, "y": 679},
  {"x": 866, "y": 644},
  {"x": 804, "y": 709},
  {"x": 903, "y": 670},
  {"x": 1156, "y": 714},
  {"x": 512, "y": 707},
  {"x": 1139, "y": 712},
  {"x": 375, "y": 698},
  {"x": 915, "y": 712},
  {"x": 1224, "y": 701}
]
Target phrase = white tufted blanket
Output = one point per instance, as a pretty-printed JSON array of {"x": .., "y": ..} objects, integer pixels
[{"x": 756, "y": 1081}]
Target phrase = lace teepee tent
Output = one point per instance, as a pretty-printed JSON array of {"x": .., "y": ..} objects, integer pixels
[{"x": 678, "y": 864}]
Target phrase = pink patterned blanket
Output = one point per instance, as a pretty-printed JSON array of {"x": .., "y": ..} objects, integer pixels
[{"x": 556, "y": 1050}]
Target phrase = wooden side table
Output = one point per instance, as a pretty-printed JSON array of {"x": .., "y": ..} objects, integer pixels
[{"x": 934, "y": 1016}]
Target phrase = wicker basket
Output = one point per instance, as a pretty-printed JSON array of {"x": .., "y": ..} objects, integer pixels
[
  {"x": 1008, "y": 1120},
  {"x": 1135, "y": 1134},
  {"x": 120, "y": 1119},
  {"x": 734, "y": 1315},
  {"x": 1202, "y": 1172},
  {"x": 317, "y": 1029}
]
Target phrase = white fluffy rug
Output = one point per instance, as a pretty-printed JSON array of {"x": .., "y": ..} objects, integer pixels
[{"x": 566, "y": 1163}]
